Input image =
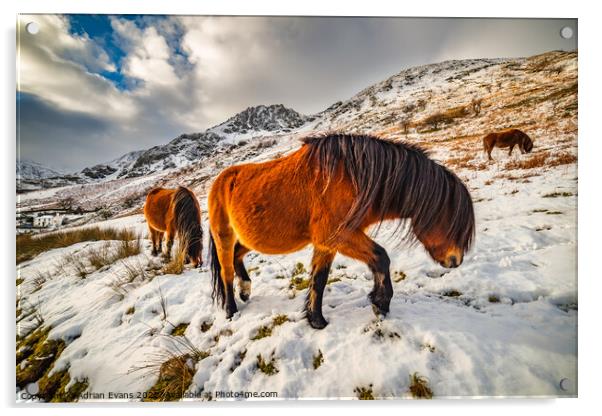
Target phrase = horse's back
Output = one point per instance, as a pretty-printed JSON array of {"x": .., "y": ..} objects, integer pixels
[
  {"x": 271, "y": 198},
  {"x": 503, "y": 138}
]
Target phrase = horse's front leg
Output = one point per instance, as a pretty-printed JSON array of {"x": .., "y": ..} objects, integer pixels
[
  {"x": 359, "y": 246},
  {"x": 321, "y": 262},
  {"x": 383, "y": 288},
  {"x": 510, "y": 151}
]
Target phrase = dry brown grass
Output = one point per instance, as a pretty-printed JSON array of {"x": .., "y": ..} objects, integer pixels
[
  {"x": 466, "y": 162},
  {"x": 462, "y": 160},
  {"x": 29, "y": 246},
  {"x": 536, "y": 161},
  {"x": 512, "y": 177},
  {"x": 175, "y": 376},
  {"x": 434, "y": 121},
  {"x": 564, "y": 158},
  {"x": 542, "y": 159},
  {"x": 175, "y": 265}
]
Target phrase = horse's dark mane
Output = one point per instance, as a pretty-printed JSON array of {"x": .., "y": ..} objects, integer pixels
[
  {"x": 187, "y": 220},
  {"x": 396, "y": 177}
]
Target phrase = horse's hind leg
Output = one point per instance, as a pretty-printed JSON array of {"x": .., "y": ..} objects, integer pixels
[
  {"x": 244, "y": 281},
  {"x": 155, "y": 237},
  {"x": 169, "y": 236},
  {"x": 225, "y": 241},
  {"x": 488, "y": 150},
  {"x": 321, "y": 262},
  {"x": 359, "y": 246}
]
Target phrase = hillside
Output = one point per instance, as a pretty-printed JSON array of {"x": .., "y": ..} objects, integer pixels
[{"x": 504, "y": 323}]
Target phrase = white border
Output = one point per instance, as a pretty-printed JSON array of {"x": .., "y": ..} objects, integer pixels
[{"x": 590, "y": 154}]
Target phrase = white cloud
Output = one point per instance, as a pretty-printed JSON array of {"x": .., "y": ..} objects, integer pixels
[
  {"x": 147, "y": 55},
  {"x": 57, "y": 66}
]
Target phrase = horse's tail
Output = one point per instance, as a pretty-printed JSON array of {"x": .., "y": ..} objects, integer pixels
[
  {"x": 188, "y": 221},
  {"x": 218, "y": 292}
]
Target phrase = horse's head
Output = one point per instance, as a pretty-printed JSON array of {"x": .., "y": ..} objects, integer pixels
[
  {"x": 194, "y": 250},
  {"x": 442, "y": 249},
  {"x": 527, "y": 144},
  {"x": 449, "y": 236}
]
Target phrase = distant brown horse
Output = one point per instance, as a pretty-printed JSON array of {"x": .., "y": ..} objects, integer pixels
[
  {"x": 507, "y": 138},
  {"x": 175, "y": 212},
  {"x": 327, "y": 194}
]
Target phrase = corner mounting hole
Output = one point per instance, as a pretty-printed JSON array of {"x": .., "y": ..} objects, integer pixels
[
  {"x": 32, "y": 28},
  {"x": 566, "y": 32}
]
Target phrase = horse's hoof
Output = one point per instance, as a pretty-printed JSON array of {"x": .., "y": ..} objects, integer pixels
[
  {"x": 317, "y": 322},
  {"x": 380, "y": 311},
  {"x": 154, "y": 253},
  {"x": 230, "y": 312},
  {"x": 245, "y": 289}
]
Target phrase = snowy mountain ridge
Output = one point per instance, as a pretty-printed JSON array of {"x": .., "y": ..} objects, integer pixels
[
  {"x": 184, "y": 149},
  {"x": 28, "y": 169}
]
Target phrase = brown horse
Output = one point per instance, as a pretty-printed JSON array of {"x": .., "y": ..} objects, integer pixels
[
  {"x": 175, "y": 212},
  {"x": 507, "y": 138},
  {"x": 327, "y": 194}
]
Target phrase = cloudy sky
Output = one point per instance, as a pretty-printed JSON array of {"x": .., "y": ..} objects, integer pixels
[{"x": 92, "y": 87}]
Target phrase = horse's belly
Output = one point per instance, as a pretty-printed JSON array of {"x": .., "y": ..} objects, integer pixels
[
  {"x": 505, "y": 141},
  {"x": 271, "y": 226}
]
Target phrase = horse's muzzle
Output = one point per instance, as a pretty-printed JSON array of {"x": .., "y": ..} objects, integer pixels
[{"x": 451, "y": 262}]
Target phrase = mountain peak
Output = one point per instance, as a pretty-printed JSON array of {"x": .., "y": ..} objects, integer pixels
[
  {"x": 28, "y": 169},
  {"x": 262, "y": 118}
]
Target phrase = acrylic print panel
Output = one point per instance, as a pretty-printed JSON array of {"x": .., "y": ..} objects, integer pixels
[{"x": 199, "y": 199}]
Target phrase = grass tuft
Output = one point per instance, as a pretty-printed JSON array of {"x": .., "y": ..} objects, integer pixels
[
  {"x": 176, "y": 263},
  {"x": 452, "y": 293},
  {"x": 265, "y": 331},
  {"x": 419, "y": 387},
  {"x": 175, "y": 376},
  {"x": 318, "y": 360},
  {"x": 494, "y": 299},
  {"x": 279, "y": 320},
  {"x": 179, "y": 330},
  {"x": 35, "y": 356},
  {"x": 398, "y": 276},
  {"x": 364, "y": 393},
  {"x": 267, "y": 367},
  {"x": 53, "y": 388},
  {"x": 557, "y": 194}
]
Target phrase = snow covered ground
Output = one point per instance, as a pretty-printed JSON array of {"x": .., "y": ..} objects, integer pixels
[{"x": 502, "y": 324}]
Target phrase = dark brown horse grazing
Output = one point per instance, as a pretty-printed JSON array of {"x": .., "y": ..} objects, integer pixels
[
  {"x": 507, "y": 138},
  {"x": 175, "y": 212},
  {"x": 327, "y": 194}
]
